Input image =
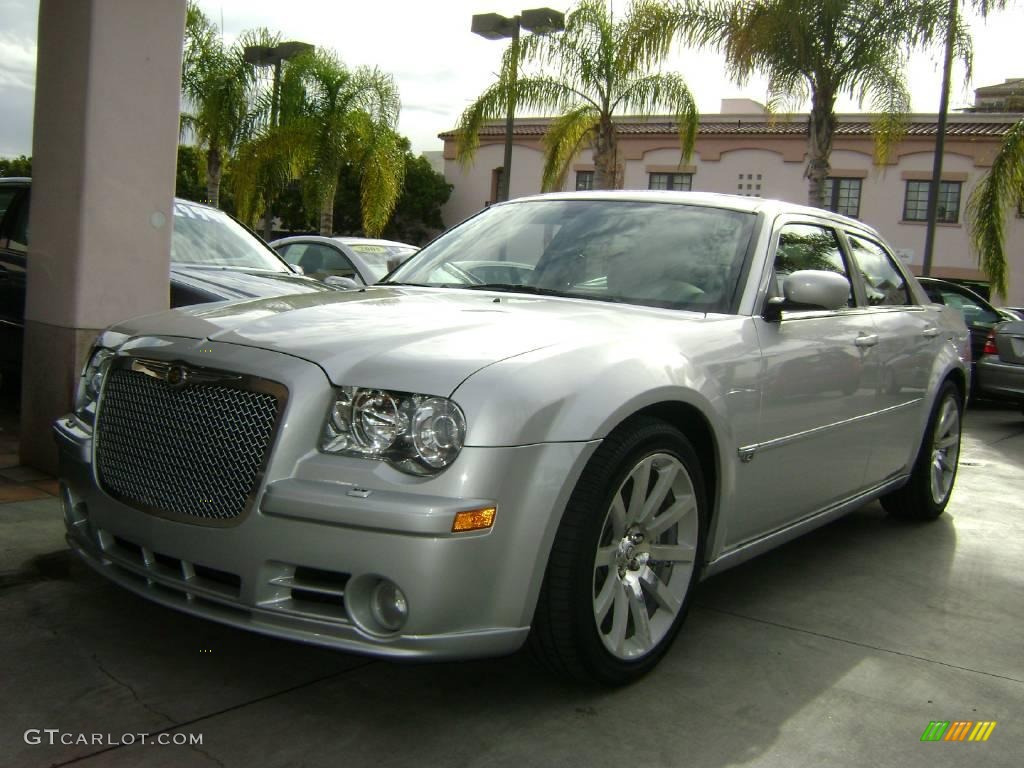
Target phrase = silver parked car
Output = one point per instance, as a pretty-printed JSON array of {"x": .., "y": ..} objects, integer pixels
[
  {"x": 442, "y": 468},
  {"x": 361, "y": 260},
  {"x": 1000, "y": 369}
]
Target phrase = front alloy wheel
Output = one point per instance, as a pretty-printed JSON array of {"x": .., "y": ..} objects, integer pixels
[
  {"x": 625, "y": 557},
  {"x": 645, "y": 556}
]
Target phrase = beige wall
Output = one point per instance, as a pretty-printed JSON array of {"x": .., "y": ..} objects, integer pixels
[{"x": 718, "y": 162}]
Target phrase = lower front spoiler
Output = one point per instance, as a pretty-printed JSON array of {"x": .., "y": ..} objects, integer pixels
[{"x": 207, "y": 604}]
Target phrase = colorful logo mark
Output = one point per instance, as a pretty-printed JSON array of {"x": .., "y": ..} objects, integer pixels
[{"x": 958, "y": 730}]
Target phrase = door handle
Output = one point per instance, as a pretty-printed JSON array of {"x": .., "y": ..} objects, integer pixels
[
  {"x": 930, "y": 332},
  {"x": 866, "y": 340}
]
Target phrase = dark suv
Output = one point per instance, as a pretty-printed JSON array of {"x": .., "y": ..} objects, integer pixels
[{"x": 213, "y": 258}]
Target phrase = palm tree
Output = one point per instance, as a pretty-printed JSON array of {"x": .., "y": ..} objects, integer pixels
[
  {"x": 819, "y": 49},
  {"x": 999, "y": 190},
  {"x": 330, "y": 116},
  {"x": 217, "y": 85},
  {"x": 594, "y": 70}
]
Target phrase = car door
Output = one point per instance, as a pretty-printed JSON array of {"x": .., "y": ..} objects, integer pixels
[
  {"x": 14, "y": 202},
  {"x": 908, "y": 342},
  {"x": 817, "y": 387}
]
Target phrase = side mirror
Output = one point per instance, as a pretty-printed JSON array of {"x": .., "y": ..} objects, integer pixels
[
  {"x": 809, "y": 289},
  {"x": 297, "y": 269},
  {"x": 344, "y": 283}
]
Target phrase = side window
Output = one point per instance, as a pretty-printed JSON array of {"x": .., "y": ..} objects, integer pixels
[
  {"x": 808, "y": 246},
  {"x": 336, "y": 263},
  {"x": 291, "y": 253},
  {"x": 6, "y": 198},
  {"x": 973, "y": 312},
  {"x": 14, "y": 204},
  {"x": 320, "y": 261},
  {"x": 883, "y": 282}
]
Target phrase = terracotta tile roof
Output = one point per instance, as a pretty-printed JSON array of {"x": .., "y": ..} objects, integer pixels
[{"x": 723, "y": 126}]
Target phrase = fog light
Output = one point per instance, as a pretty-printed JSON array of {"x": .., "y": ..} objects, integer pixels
[
  {"x": 474, "y": 520},
  {"x": 388, "y": 606}
]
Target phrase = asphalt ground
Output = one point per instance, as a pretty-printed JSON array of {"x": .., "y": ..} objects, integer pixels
[{"x": 837, "y": 649}]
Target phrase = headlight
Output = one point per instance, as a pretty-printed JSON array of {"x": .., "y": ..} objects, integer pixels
[
  {"x": 90, "y": 384},
  {"x": 418, "y": 434}
]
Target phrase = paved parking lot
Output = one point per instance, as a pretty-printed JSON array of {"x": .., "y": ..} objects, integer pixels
[{"x": 837, "y": 649}]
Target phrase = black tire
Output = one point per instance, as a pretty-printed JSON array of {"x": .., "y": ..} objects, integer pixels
[
  {"x": 565, "y": 636},
  {"x": 918, "y": 500}
]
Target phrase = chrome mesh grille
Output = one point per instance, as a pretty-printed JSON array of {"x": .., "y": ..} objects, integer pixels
[{"x": 194, "y": 451}]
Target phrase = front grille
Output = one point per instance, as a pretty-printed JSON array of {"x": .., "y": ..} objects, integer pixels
[{"x": 194, "y": 451}]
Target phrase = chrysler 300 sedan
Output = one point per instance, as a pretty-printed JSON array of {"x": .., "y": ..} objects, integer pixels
[{"x": 437, "y": 467}]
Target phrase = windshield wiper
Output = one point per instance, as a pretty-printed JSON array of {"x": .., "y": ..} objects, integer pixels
[{"x": 518, "y": 288}]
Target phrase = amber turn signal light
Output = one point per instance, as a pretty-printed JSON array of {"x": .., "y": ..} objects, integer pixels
[{"x": 474, "y": 520}]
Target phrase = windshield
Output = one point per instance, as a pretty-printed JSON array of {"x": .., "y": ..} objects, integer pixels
[
  {"x": 381, "y": 259},
  {"x": 209, "y": 238},
  {"x": 648, "y": 253}
]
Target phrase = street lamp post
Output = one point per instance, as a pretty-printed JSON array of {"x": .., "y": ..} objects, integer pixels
[
  {"x": 494, "y": 26},
  {"x": 267, "y": 56}
]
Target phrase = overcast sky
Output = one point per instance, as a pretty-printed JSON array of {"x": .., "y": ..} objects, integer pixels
[{"x": 440, "y": 66}]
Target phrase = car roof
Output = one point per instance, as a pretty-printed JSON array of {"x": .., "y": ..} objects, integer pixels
[
  {"x": 372, "y": 241},
  {"x": 343, "y": 240},
  {"x": 743, "y": 203}
]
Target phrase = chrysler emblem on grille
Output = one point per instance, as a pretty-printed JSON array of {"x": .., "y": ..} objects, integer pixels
[{"x": 177, "y": 375}]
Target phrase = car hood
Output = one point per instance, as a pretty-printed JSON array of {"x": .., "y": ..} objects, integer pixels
[
  {"x": 416, "y": 340},
  {"x": 232, "y": 283}
]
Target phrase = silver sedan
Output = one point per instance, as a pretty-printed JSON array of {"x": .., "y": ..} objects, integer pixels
[
  {"x": 358, "y": 260},
  {"x": 1001, "y": 366},
  {"x": 439, "y": 467}
]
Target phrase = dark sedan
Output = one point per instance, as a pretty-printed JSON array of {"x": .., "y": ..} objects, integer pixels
[{"x": 213, "y": 258}]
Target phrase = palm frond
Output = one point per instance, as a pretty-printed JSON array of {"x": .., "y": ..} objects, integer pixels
[
  {"x": 1001, "y": 188},
  {"x": 563, "y": 141},
  {"x": 647, "y": 95}
]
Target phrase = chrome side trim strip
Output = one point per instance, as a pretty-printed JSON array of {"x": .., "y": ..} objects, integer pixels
[
  {"x": 746, "y": 452},
  {"x": 752, "y": 549}
]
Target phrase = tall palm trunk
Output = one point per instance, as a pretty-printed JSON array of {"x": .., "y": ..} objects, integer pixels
[
  {"x": 605, "y": 172},
  {"x": 213, "y": 173},
  {"x": 327, "y": 214},
  {"x": 820, "y": 129}
]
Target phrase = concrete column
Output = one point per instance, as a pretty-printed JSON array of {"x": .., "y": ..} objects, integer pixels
[{"x": 104, "y": 147}]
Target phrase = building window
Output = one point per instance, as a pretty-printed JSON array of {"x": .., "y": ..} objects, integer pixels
[
  {"x": 677, "y": 181},
  {"x": 915, "y": 206},
  {"x": 584, "y": 181},
  {"x": 749, "y": 185},
  {"x": 496, "y": 175},
  {"x": 843, "y": 196}
]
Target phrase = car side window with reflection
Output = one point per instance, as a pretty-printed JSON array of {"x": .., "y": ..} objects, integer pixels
[
  {"x": 14, "y": 219},
  {"x": 883, "y": 282},
  {"x": 972, "y": 312},
  {"x": 323, "y": 261},
  {"x": 808, "y": 246}
]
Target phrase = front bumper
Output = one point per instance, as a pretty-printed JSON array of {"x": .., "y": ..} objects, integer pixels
[
  {"x": 998, "y": 379},
  {"x": 302, "y": 562}
]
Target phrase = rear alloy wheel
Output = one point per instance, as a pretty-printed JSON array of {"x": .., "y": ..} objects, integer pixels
[
  {"x": 625, "y": 558},
  {"x": 927, "y": 493}
]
